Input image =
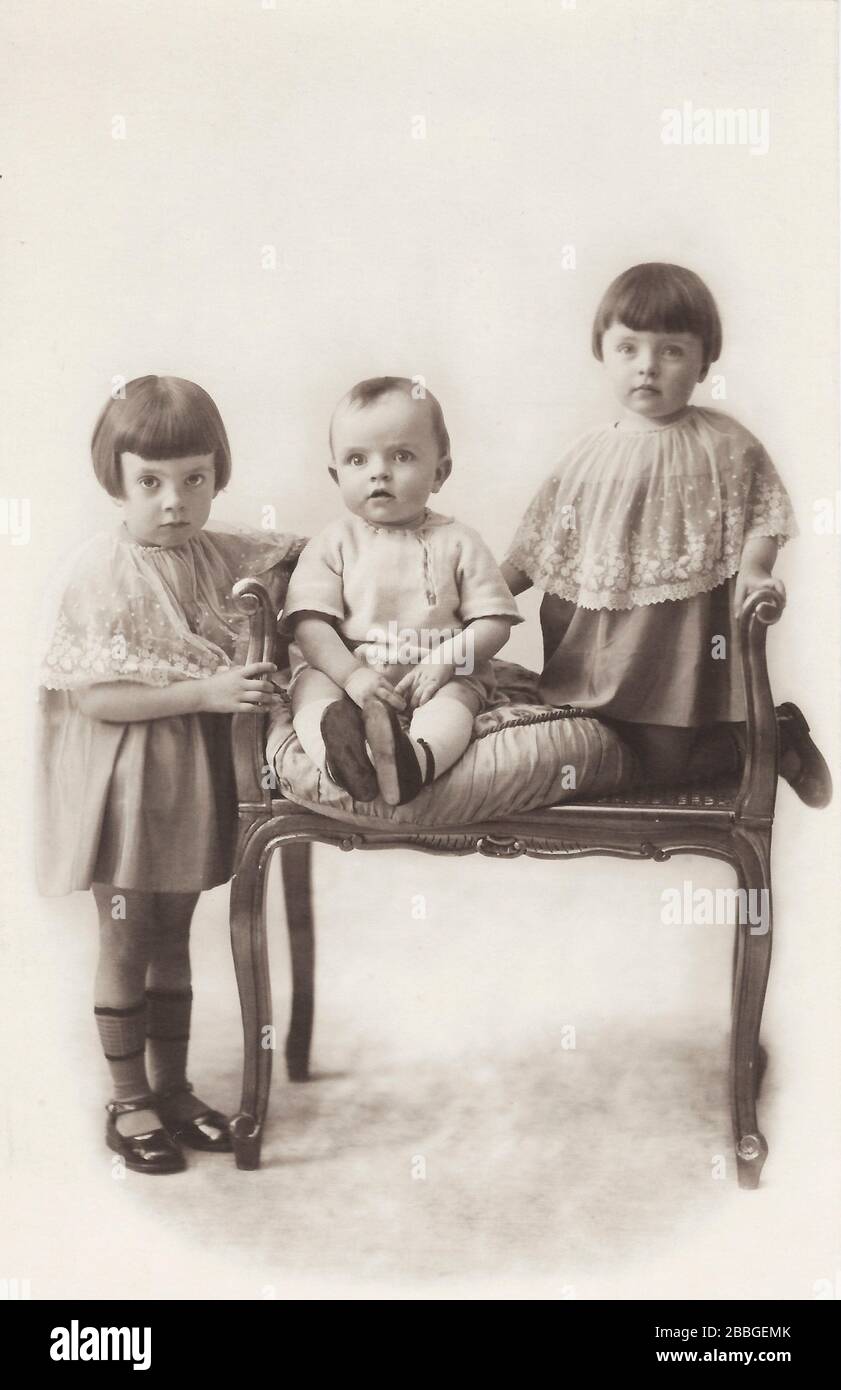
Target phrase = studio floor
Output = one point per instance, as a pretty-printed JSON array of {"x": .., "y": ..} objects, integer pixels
[{"x": 519, "y": 1091}]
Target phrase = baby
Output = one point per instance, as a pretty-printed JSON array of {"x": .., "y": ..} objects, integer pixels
[{"x": 393, "y": 606}]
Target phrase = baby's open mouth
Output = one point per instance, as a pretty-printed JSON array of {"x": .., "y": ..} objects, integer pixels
[{"x": 380, "y": 493}]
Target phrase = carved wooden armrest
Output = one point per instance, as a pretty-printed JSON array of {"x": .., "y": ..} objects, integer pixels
[
  {"x": 758, "y": 787},
  {"x": 249, "y": 730}
]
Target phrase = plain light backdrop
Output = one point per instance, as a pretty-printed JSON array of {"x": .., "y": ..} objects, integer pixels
[{"x": 268, "y": 223}]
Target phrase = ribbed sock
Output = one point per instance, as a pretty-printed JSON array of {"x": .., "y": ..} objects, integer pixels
[
  {"x": 168, "y": 1035},
  {"x": 122, "y": 1033},
  {"x": 168, "y": 1014},
  {"x": 168, "y": 1038}
]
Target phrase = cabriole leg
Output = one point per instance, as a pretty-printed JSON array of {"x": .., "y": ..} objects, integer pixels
[
  {"x": 248, "y": 943},
  {"x": 751, "y": 965},
  {"x": 296, "y": 861}
]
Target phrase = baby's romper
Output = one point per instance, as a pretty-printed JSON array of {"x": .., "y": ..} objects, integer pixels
[
  {"x": 384, "y": 585},
  {"x": 146, "y": 804},
  {"x": 636, "y": 539}
]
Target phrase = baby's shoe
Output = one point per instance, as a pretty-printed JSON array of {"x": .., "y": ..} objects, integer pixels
[
  {"x": 153, "y": 1151},
  {"x": 204, "y": 1129},
  {"x": 811, "y": 778},
  {"x": 399, "y": 774},
  {"x": 348, "y": 764}
]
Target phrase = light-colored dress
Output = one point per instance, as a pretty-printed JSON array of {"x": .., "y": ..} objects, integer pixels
[
  {"x": 147, "y": 804},
  {"x": 636, "y": 538},
  {"x": 399, "y": 591}
]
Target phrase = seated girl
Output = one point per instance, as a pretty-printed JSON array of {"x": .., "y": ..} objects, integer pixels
[{"x": 647, "y": 539}]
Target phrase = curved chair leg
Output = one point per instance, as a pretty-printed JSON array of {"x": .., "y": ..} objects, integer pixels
[
  {"x": 248, "y": 943},
  {"x": 296, "y": 860},
  {"x": 751, "y": 965},
  {"x": 761, "y": 1053}
]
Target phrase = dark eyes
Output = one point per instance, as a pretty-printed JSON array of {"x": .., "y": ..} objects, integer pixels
[
  {"x": 400, "y": 456},
  {"x": 149, "y": 482},
  {"x": 670, "y": 350}
]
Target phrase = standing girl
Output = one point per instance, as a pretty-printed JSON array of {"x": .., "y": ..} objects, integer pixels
[
  {"x": 649, "y": 536},
  {"x": 137, "y": 795}
]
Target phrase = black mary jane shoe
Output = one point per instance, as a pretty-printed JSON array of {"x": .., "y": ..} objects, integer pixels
[
  {"x": 348, "y": 764},
  {"x": 398, "y": 772},
  {"x": 207, "y": 1131},
  {"x": 153, "y": 1151},
  {"x": 813, "y": 781}
]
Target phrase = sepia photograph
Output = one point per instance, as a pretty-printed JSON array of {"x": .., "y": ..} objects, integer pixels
[{"x": 420, "y": 535}]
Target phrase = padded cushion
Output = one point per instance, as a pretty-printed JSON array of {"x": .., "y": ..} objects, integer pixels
[{"x": 523, "y": 755}]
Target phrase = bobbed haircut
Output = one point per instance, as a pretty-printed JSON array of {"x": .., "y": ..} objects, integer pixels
[
  {"x": 159, "y": 417},
  {"x": 366, "y": 392},
  {"x": 660, "y": 298}
]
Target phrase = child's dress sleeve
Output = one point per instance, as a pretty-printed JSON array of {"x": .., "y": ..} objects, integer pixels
[
  {"x": 269, "y": 556},
  {"x": 533, "y": 550},
  {"x": 317, "y": 583},
  {"x": 250, "y": 553},
  {"x": 768, "y": 510}
]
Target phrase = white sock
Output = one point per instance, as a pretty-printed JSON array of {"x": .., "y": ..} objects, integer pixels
[
  {"x": 307, "y": 725},
  {"x": 446, "y": 725}
]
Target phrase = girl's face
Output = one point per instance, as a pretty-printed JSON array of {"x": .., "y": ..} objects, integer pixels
[
  {"x": 168, "y": 501},
  {"x": 653, "y": 375}
]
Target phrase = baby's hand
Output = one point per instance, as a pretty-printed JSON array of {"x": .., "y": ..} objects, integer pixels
[
  {"x": 362, "y": 684},
  {"x": 240, "y": 690},
  {"x": 424, "y": 681},
  {"x": 753, "y": 577}
]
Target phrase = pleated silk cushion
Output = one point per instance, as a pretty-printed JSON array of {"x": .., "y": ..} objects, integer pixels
[{"x": 523, "y": 755}]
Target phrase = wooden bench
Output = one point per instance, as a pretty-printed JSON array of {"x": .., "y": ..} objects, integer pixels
[{"x": 729, "y": 822}]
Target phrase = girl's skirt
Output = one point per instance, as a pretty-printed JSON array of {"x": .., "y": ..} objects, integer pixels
[
  {"x": 147, "y": 805},
  {"x": 674, "y": 662}
]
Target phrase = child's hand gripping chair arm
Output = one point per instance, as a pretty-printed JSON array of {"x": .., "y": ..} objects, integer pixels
[{"x": 263, "y": 642}]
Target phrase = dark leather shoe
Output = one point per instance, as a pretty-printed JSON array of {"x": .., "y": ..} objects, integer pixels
[
  {"x": 207, "y": 1131},
  {"x": 348, "y": 764},
  {"x": 812, "y": 781},
  {"x": 398, "y": 772},
  {"x": 151, "y": 1152}
]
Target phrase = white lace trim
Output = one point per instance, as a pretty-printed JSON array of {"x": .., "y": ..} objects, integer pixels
[
  {"x": 630, "y": 520},
  {"x": 149, "y": 614}
]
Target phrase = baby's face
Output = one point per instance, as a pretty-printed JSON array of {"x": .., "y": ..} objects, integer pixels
[
  {"x": 168, "y": 501},
  {"x": 653, "y": 375},
  {"x": 387, "y": 459}
]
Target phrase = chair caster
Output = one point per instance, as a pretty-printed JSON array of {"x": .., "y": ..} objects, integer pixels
[
  {"x": 246, "y": 1136},
  {"x": 751, "y": 1153}
]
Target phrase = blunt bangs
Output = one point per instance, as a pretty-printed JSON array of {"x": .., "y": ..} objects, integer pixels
[
  {"x": 660, "y": 298},
  {"x": 160, "y": 417}
]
